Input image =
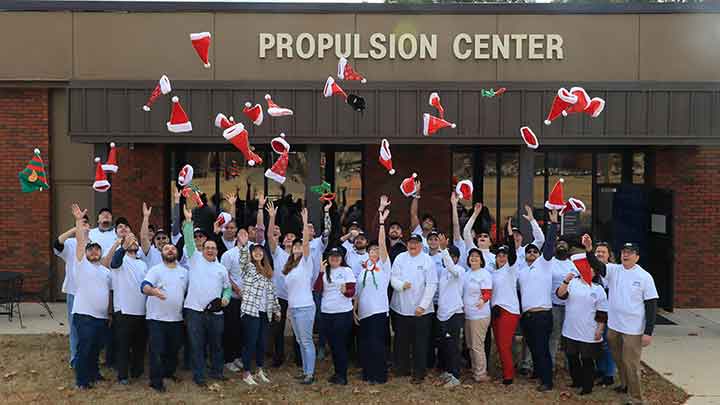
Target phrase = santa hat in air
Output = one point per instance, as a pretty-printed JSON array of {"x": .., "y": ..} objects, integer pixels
[
  {"x": 101, "y": 183},
  {"x": 573, "y": 205},
  {"x": 194, "y": 194},
  {"x": 201, "y": 43},
  {"x": 279, "y": 169},
  {"x": 432, "y": 124},
  {"x": 562, "y": 101},
  {"x": 386, "y": 157},
  {"x": 239, "y": 137},
  {"x": 409, "y": 185},
  {"x": 185, "y": 176},
  {"x": 435, "y": 102},
  {"x": 254, "y": 113},
  {"x": 529, "y": 137},
  {"x": 223, "y": 122},
  {"x": 223, "y": 219},
  {"x": 464, "y": 189},
  {"x": 583, "y": 266},
  {"x": 333, "y": 89},
  {"x": 161, "y": 88},
  {"x": 346, "y": 72},
  {"x": 179, "y": 121},
  {"x": 555, "y": 199},
  {"x": 111, "y": 166},
  {"x": 590, "y": 106},
  {"x": 595, "y": 107},
  {"x": 274, "y": 110}
]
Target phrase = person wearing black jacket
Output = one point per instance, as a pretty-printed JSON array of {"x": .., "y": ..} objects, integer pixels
[{"x": 632, "y": 308}]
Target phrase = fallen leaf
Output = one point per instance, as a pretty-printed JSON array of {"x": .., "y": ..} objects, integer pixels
[
  {"x": 33, "y": 372},
  {"x": 10, "y": 374},
  {"x": 60, "y": 388},
  {"x": 215, "y": 387}
]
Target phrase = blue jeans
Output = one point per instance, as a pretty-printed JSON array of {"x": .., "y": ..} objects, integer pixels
[
  {"x": 337, "y": 329},
  {"x": 302, "y": 320},
  {"x": 205, "y": 328},
  {"x": 91, "y": 332},
  {"x": 165, "y": 341},
  {"x": 538, "y": 327},
  {"x": 606, "y": 364},
  {"x": 70, "y": 300},
  {"x": 254, "y": 330}
]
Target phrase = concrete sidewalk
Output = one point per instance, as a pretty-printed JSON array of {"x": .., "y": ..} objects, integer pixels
[{"x": 36, "y": 320}]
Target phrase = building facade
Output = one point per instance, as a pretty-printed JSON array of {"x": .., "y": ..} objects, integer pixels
[{"x": 646, "y": 167}]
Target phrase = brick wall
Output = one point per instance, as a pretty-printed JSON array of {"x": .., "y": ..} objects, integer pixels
[
  {"x": 141, "y": 177},
  {"x": 694, "y": 175},
  {"x": 24, "y": 217},
  {"x": 432, "y": 164}
]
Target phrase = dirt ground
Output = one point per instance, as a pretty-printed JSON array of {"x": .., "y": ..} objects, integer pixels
[{"x": 34, "y": 370}]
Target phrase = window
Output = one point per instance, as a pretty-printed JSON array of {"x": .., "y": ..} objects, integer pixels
[
  {"x": 609, "y": 168},
  {"x": 508, "y": 188},
  {"x": 247, "y": 182},
  {"x": 462, "y": 169},
  {"x": 638, "y": 168},
  {"x": 576, "y": 169},
  {"x": 539, "y": 183},
  {"x": 489, "y": 197}
]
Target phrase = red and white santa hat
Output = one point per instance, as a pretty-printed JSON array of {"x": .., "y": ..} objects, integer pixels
[
  {"x": 274, "y": 110},
  {"x": 201, "y": 43},
  {"x": 583, "y": 266},
  {"x": 582, "y": 101},
  {"x": 573, "y": 205},
  {"x": 239, "y": 137},
  {"x": 563, "y": 99},
  {"x": 346, "y": 72},
  {"x": 111, "y": 165},
  {"x": 432, "y": 124},
  {"x": 409, "y": 185},
  {"x": 223, "y": 219},
  {"x": 254, "y": 113},
  {"x": 279, "y": 145},
  {"x": 223, "y": 122},
  {"x": 555, "y": 199},
  {"x": 179, "y": 121},
  {"x": 386, "y": 157},
  {"x": 435, "y": 102},
  {"x": 595, "y": 107},
  {"x": 185, "y": 176},
  {"x": 101, "y": 183},
  {"x": 333, "y": 89},
  {"x": 529, "y": 137},
  {"x": 464, "y": 189},
  {"x": 163, "y": 87},
  {"x": 279, "y": 169}
]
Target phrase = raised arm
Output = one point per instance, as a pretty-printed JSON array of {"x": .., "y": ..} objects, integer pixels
[
  {"x": 455, "y": 219},
  {"x": 105, "y": 261},
  {"x": 467, "y": 232},
  {"x": 382, "y": 243},
  {"x": 175, "y": 221},
  {"x": 537, "y": 233},
  {"x": 59, "y": 243},
  {"x": 414, "y": 218},
  {"x": 144, "y": 228},
  {"x": 327, "y": 223},
  {"x": 306, "y": 233},
  {"x": 260, "y": 220},
  {"x": 548, "y": 249},
  {"x": 232, "y": 200},
  {"x": 272, "y": 211},
  {"x": 449, "y": 264},
  {"x": 595, "y": 263},
  {"x": 79, "y": 232},
  {"x": 188, "y": 234}
]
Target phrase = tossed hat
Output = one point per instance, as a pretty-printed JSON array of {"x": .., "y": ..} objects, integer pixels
[
  {"x": 529, "y": 137},
  {"x": 101, "y": 183},
  {"x": 555, "y": 199},
  {"x": 254, "y": 113},
  {"x": 321, "y": 188},
  {"x": 201, "y": 43},
  {"x": 333, "y": 89},
  {"x": 582, "y": 101},
  {"x": 346, "y": 72},
  {"x": 33, "y": 177},
  {"x": 573, "y": 205},
  {"x": 223, "y": 219},
  {"x": 595, "y": 107},
  {"x": 279, "y": 169},
  {"x": 327, "y": 197},
  {"x": 583, "y": 266},
  {"x": 179, "y": 121},
  {"x": 279, "y": 145},
  {"x": 386, "y": 157},
  {"x": 239, "y": 137},
  {"x": 274, "y": 110},
  {"x": 111, "y": 165},
  {"x": 163, "y": 87},
  {"x": 432, "y": 124},
  {"x": 435, "y": 102},
  {"x": 561, "y": 102},
  {"x": 185, "y": 176},
  {"x": 223, "y": 122},
  {"x": 194, "y": 194},
  {"x": 464, "y": 189},
  {"x": 356, "y": 102},
  {"x": 409, "y": 185}
]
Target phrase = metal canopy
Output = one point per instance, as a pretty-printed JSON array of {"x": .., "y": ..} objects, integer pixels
[{"x": 636, "y": 113}]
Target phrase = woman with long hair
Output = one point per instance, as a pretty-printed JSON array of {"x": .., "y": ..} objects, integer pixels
[
  {"x": 259, "y": 305},
  {"x": 298, "y": 274},
  {"x": 477, "y": 293}
]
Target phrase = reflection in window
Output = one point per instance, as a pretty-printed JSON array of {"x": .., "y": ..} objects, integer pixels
[
  {"x": 539, "y": 185},
  {"x": 489, "y": 197},
  {"x": 609, "y": 168},
  {"x": 204, "y": 166},
  {"x": 576, "y": 169},
  {"x": 508, "y": 187},
  {"x": 237, "y": 177},
  {"x": 462, "y": 169},
  {"x": 638, "y": 168},
  {"x": 348, "y": 185}
]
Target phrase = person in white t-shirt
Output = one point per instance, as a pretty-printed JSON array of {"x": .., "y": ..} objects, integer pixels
[
  {"x": 505, "y": 307},
  {"x": 301, "y": 307},
  {"x": 104, "y": 234},
  {"x": 91, "y": 308},
  {"x": 477, "y": 294},
  {"x": 64, "y": 247},
  {"x": 606, "y": 364},
  {"x": 482, "y": 240},
  {"x": 419, "y": 226},
  {"x": 372, "y": 306},
  {"x": 450, "y": 313},
  {"x": 165, "y": 285},
  {"x": 632, "y": 308},
  {"x": 151, "y": 244},
  {"x": 336, "y": 283},
  {"x": 131, "y": 336},
  {"x": 414, "y": 282},
  {"x": 585, "y": 317}
]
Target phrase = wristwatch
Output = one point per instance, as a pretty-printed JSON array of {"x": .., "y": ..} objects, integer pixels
[{"x": 566, "y": 282}]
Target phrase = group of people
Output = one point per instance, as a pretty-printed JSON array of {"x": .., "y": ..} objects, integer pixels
[{"x": 444, "y": 295}]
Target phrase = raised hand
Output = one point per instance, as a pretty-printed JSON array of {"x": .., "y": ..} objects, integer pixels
[
  {"x": 270, "y": 207},
  {"x": 443, "y": 240},
  {"x": 147, "y": 210},
  {"x": 354, "y": 233},
  {"x": 569, "y": 277},
  {"x": 128, "y": 241},
  {"x": 587, "y": 242},
  {"x": 417, "y": 187},
  {"x": 304, "y": 215},
  {"x": 242, "y": 238},
  {"x": 77, "y": 212},
  {"x": 477, "y": 208},
  {"x": 453, "y": 199},
  {"x": 217, "y": 227},
  {"x": 323, "y": 266},
  {"x": 553, "y": 216},
  {"x": 528, "y": 214},
  {"x": 187, "y": 212},
  {"x": 176, "y": 195},
  {"x": 384, "y": 215},
  {"x": 384, "y": 202},
  {"x": 261, "y": 199},
  {"x": 230, "y": 198}
]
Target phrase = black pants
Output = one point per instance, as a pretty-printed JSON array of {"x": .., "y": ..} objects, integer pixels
[
  {"x": 413, "y": 337},
  {"x": 450, "y": 344},
  {"x": 130, "y": 345},
  {"x": 435, "y": 344},
  {"x": 373, "y": 338},
  {"x": 337, "y": 329},
  {"x": 165, "y": 341},
  {"x": 582, "y": 371},
  {"x": 278, "y": 335},
  {"x": 538, "y": 327},
  {"x": 232, "y": 334}
]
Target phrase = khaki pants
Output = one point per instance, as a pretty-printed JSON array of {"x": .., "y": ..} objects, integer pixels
[
  {"x": 626, "y": 351},
  {"x": 475, "y": 331}
]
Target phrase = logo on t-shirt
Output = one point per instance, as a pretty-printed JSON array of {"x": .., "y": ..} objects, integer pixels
[
  {"x": 636, "y": 284},
  {"x": 593, "y": 296}
]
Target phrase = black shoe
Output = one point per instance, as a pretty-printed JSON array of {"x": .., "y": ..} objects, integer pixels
[
  {"x": 524, "y": 372},
  {"x": 575, "y": 385},
  {"x": 308, "y": 380},
  {"x": 607, "y": 381},
  {"x": 124, "y": 381},
  {"x": 533, "y": 376},
  {"x": 507, "y": 381},
  {"x": 543, "y": 388},
  {"x": 277, "y": 363},
  {"x": 201, "y": 384},
  {"x": 337, "y": 380},
  {"x": 99, "y": 377},
  {"x": 620, "y": 389},
  {"x": 585, "y": 391},
  {"x": 416, "y": 380},
  {"x": 158, "y": 388}
]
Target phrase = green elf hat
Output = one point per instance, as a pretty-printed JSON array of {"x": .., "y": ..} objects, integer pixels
[
  {"x": 33, "y": 177},
  {"x": 322, "y": 188}
]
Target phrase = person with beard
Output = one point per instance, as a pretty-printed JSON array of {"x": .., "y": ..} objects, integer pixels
[
  {"x": 104, "y": 234},
  {"x": 151, "y": 244},
  {"x": 605, "y": 365},
  {"x": 561, "y": 265},
  {"x": 165, "y": 284},
  {"x": 535, "y": 277},
  {"x": 208, "y": 282},
  {"x": 92, "y": 302},
  {"x": 632, "y": 311},
  {"x": 421, "y": 227},
  {"x": 414, "y": 280},
  {"x": 130, "y": 334}
]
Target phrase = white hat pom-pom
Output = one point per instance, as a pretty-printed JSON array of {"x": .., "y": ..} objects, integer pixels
[
  {"x": 112, "y": 144},
  {"x": 548, "y": 122},
  {"x": 231, "y": 119},
  {"x": 146, "y": 108},
  {"x": 182, "y": 179},
  {"x": 36, "y": 151},
  {"x": 414, "y": 175},
  {"x": 248, "y": 104},
  {"x": 562, "y": 180},
  {"x": 392, "y": 171},
  {"x": 282, "y": 134},
  {"x": 364, "y": 80},
  {"x": 97, "y": 160},
  {"x": 207, "y": 65},
  {"x": 175, "y": 99},
  {"x": 251, "y": 163},
  {"x": 452, "y": 125},
  {"x": 564, "y": 113},
  {"x": 267, "y": 97}
]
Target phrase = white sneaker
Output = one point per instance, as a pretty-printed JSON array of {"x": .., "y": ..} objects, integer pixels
[
  {"x": 232, "y": 367},
  {"x": 262, "y": 377},
  {"x": 445, "y": 376},
  {"x": 452, "y": 382},
  {"x": 238, "y": 363},
  {"x": 249, "y": 380}
]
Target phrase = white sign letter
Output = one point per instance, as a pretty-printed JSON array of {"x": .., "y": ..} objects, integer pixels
[
  {"x": 357, "y": 52},
  {"x": 377, "y": 46},
  {"x": 535, "y": 45},
  {"x": 518, "y": 38},
  {"x": 482, "y": 43},
  {"x": 325, "y": 43},
  {"x": 267, "y": 41},
  {"x": 305, "y": 52},
  {"x": 500, "y": 46},
  {"x": 428, "y": 47},
  {"x": 284, "y": 45},
  {"x": 338, "y": 44},
  {"x": 554, "y": 45},
  {"x": 402, "y": 50},
  {"x": 456, "y": 46}
]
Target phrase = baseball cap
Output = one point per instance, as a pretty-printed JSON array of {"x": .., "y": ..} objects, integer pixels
[
  {"x": 335, "y": 252},
  {"x": 531, "y": 246},
  {"x": 433, "y": 233},
  {"x": 415, "y": 237},
  {"x": 355, "y": 224},
  {"x": 92, "y": 244},
  {"x": 160, "y": 231},
  {"x": 631, "y": 246},
  {"x": 361, "y": 233},
  {"x": 502, "y": 249},
  {"x": 199, "y": 231},
  {"x": 453, "y": 250}
]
